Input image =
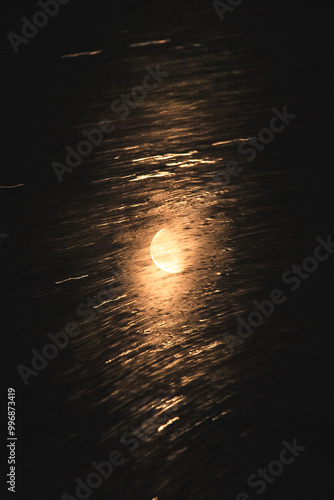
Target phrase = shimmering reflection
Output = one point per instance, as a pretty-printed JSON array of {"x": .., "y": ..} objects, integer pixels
[
  {"x": 160, "y": 341},
  {"x": 170, "y": 271},
  {"x": 166, "y": 252}
]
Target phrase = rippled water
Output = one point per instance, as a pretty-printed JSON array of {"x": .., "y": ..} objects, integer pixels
[{"x": 158, "y": 343}]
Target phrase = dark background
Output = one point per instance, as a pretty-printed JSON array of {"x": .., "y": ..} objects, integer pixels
[{"x": 294, "y": 41}]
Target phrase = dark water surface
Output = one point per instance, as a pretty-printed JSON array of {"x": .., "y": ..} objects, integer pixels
[{"x": 158, "y": 342}]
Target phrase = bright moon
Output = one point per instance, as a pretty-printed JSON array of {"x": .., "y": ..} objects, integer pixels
[{"x": 165, "y": 252}]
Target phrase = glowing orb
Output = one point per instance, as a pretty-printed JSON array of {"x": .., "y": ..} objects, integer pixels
[{"x": 165, "y": 252}]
